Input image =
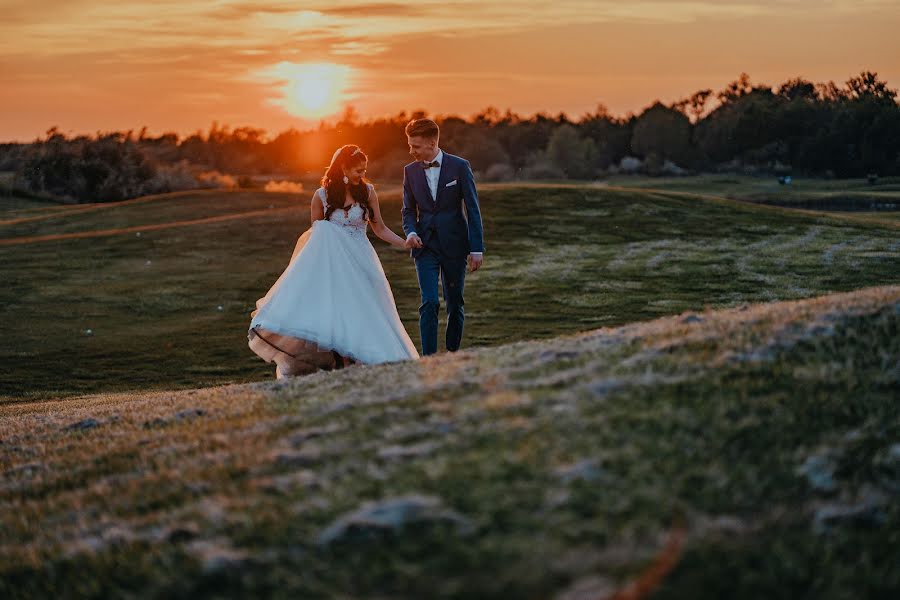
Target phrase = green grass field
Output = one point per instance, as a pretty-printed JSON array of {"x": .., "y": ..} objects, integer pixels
[
  {"x": 882, "y": 197},
  {"x": 167, "y": 307}
]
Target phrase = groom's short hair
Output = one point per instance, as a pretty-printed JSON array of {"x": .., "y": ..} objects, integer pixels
[{"x": 425, "y": 128}]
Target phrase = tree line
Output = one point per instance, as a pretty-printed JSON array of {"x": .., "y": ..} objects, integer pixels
[{"x": 797, "y": 127}]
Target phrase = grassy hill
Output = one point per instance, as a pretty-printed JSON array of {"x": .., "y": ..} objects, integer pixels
[
  {"x": 155, "y": 293},
  {"x": 743, "y": 453},
  {"x": 626, "y": 419}
]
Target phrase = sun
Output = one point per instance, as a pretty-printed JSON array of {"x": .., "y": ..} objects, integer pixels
[
  {"x": 315, "y": 89},
  {"x": 309, "y": 90}
]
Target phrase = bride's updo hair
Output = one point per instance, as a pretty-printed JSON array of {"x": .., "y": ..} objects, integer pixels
[{"x": 347, "y": 157}]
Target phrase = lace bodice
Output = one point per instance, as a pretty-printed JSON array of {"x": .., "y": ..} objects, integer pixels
[{"x": 351, "y": 220}]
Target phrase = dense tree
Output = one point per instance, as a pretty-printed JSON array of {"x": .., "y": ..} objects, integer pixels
[
  {"x": 572, "y": 154},
  {"x": 846, "y": 130},
  {"x": 694, "y": 106},
  {"x": 611, "y": 136},
  {"x": 665, "y": 132}
]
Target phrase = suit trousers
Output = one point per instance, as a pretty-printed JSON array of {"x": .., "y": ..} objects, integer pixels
[{"x": 430, "y": 264}]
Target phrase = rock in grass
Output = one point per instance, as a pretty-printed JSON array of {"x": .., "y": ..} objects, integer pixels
[
  {"x": 392, "y": 515},
  {"x": 692, "y": 319},
  {"x": 184, "y": 415},
  {"x": 862, "y": 514},
  {"x": 157, "y": 422},
  {"x": 308, "y": 456},
  {"x": 299, "y": 438},
  {"x": 586, "y": 470},
  {"x": 867, "y": 511},
  {"x": 818, "y": 470},
  {"x": 190, "y": 413},
  {"x": 82, "y": 425},
  {"x": 216, "y": 555},
  {"x": 177, "y": 534}
]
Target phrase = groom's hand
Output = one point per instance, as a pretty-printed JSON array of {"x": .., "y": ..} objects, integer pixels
[
  {"x": 475, "y": 261},
  {"x": 414, "y": 241}
]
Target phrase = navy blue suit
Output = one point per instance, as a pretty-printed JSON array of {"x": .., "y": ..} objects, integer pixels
[{"x": 448, "y": 236}]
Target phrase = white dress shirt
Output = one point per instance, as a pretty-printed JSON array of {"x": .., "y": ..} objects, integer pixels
[{"x": 432, "y": 175}]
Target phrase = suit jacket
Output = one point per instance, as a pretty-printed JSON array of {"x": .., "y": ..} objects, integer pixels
[{"x": 457, "y": 234}]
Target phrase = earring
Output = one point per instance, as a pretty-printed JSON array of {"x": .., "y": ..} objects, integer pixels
[{"x": 346, "y": 180}]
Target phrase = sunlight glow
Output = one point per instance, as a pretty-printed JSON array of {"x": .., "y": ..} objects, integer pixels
[{"x": 309, "y": 90}]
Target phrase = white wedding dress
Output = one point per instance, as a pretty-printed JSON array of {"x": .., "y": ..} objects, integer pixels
[{"x": 333, "y": 295}]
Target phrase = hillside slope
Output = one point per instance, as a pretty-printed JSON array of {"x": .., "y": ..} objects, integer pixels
[{"x": 756, "y": 450}]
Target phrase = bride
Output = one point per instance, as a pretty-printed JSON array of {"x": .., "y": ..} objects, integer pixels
[{"x": 333, "y": 301}]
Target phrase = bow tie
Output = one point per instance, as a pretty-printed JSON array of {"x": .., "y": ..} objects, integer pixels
[{"x": 428, "y": 165}]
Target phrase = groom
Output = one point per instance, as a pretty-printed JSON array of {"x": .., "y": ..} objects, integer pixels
[{"x": 441, "y": 238}]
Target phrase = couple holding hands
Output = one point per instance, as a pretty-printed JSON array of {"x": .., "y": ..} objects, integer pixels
[{"x": 333, "y": 306}]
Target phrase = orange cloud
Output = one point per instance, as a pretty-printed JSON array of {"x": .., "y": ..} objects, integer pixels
[{"x": 173, "y": 65}]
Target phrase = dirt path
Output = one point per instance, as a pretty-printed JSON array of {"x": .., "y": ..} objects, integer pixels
[
  {"x": 66, "y": 210},
  {"x": 108, "y": 232}
]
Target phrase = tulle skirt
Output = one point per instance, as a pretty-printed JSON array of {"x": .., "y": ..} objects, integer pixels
[{"x": 333, "y": 295}]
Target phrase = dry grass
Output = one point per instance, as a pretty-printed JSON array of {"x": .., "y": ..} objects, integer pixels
[{"x": 591, "y": 444}]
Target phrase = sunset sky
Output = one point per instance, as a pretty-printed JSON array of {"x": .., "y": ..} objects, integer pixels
[{"x": 89, "y": 65}]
